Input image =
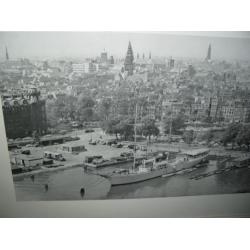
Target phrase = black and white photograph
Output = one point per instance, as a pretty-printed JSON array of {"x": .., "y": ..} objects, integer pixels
[{"x": 126, "y": 115}]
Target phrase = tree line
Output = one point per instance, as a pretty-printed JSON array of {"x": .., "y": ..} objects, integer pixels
[{"x": 237, "y": 134}]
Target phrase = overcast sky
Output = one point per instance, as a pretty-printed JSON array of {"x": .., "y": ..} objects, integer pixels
[{"x": 225, "y": 45}]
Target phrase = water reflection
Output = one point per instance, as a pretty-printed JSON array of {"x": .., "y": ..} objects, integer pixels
[{"x": 82, "y": 192}]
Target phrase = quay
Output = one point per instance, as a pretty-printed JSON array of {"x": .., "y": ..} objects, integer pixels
[
  {"x": 45, "y": 170},
  {"x": 227, "y": 165}
]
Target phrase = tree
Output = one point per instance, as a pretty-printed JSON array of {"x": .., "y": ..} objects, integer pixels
[
  {"x": 188, "y": 136},
  {"x": 208, "y": 136},
  {"x": 85, "y": 101},
  {"x": 60, "y": 108},
  {"x": 126, "y": 128},
  {"x": 111, "y": 126},
  {"x": 231, "y": 133},
  {"x": 52, "y": 113},
  {"x": 85, "y": 114},
  {"x": 243, "y": 136},
  {"x": 36, "y": 136},
  {"x": 176, "y": 124},
  {"x": 104, "y": 108},
  {"x": 149, "y": 128},
  {"x": 70, "y": 106},
  {"x": 84, "y": 108}
]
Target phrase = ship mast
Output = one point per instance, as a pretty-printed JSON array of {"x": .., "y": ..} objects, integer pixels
[
  {"x": 135, "y": 134},
  {"x": 171, "y": 121}
]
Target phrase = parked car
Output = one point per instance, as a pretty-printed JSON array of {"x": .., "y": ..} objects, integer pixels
[
  {"x": 134, "y": 147},
  {"x": 111, "y": 142},
  {"x": 103, "y": 142},
  {"x": 126, "y": 154},
  {"x": 89, "y": 130},
  {"x": 117, "y": 145},
  {"x": 25, "y": 152},
  {"x": 92, "y": 142}
]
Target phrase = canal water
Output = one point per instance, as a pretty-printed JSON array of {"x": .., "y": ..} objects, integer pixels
[{"x": 75, "y": 184}]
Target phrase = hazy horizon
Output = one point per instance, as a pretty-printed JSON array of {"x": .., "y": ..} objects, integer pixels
[{"x": 226, "y": 45}]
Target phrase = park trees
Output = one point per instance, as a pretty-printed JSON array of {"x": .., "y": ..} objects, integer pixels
[
  {"x": 104, "y": 109},
  {"x": 208, "y": 136},
  {"x": 231, "y": 133},
  {"x": 243, "y": 136},
  {"x": 175, "y": 125},
  {"x": 126, "y": 128},
  {"x": 85, "y": 108},
  {"x": 149, "y": 128},
  {"x": 111, "y": 126}
]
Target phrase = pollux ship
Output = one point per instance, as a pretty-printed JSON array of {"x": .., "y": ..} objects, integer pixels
[{"x": 156, "y": 166}]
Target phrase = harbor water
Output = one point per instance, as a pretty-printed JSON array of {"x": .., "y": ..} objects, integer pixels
[{"x": 76, "y": 184}]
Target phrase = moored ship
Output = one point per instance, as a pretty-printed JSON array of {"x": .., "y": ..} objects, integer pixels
[
  {"x": 149, "y": 169},
  {"x": 156, "y": 167}
]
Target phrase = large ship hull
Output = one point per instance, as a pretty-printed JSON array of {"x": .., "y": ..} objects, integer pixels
[
  {"x": 136, "y": 177},
  {"x": 123, "y": 179}
]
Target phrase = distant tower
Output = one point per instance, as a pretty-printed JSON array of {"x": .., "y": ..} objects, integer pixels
[
  {"x": 6, "y": 54},
  {"x": 149, "y": 57},
  {"x": 129, "y": 60},
  {"x": 208, "y": 58},
  {"x": 104, "y": 56},
  {"x": 171, "y": 63},
  {"x": 112, "y": 61},
  {"x": 143, "y": 56},
  {"x": 138, "y": 56}
]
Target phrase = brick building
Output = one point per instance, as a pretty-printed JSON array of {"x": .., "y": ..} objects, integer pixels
[{"x": 24, "y": 115}]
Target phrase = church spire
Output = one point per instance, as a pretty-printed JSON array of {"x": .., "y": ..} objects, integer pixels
[
  {"x": 129, "y": 60},
  {"x": 6, "y": 54},
  {"x": 149, "y": 57},
  {"x": 208, "y": 58}
]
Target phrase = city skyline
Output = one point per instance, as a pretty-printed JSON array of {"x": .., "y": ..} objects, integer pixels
[
  {"x": 100, "y": 126},
  {"x": 48, "y": 45}
]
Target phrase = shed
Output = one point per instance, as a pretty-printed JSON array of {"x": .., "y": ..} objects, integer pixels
[
  {"x": 28, "y": 161},
  {"x": 74, "y": 148}
]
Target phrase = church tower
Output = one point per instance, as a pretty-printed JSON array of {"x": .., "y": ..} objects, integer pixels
[
  {"x": 129, "y": 60},
  {"x": 6, "y": 54},
  {"x": 208, "y": 58}
]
